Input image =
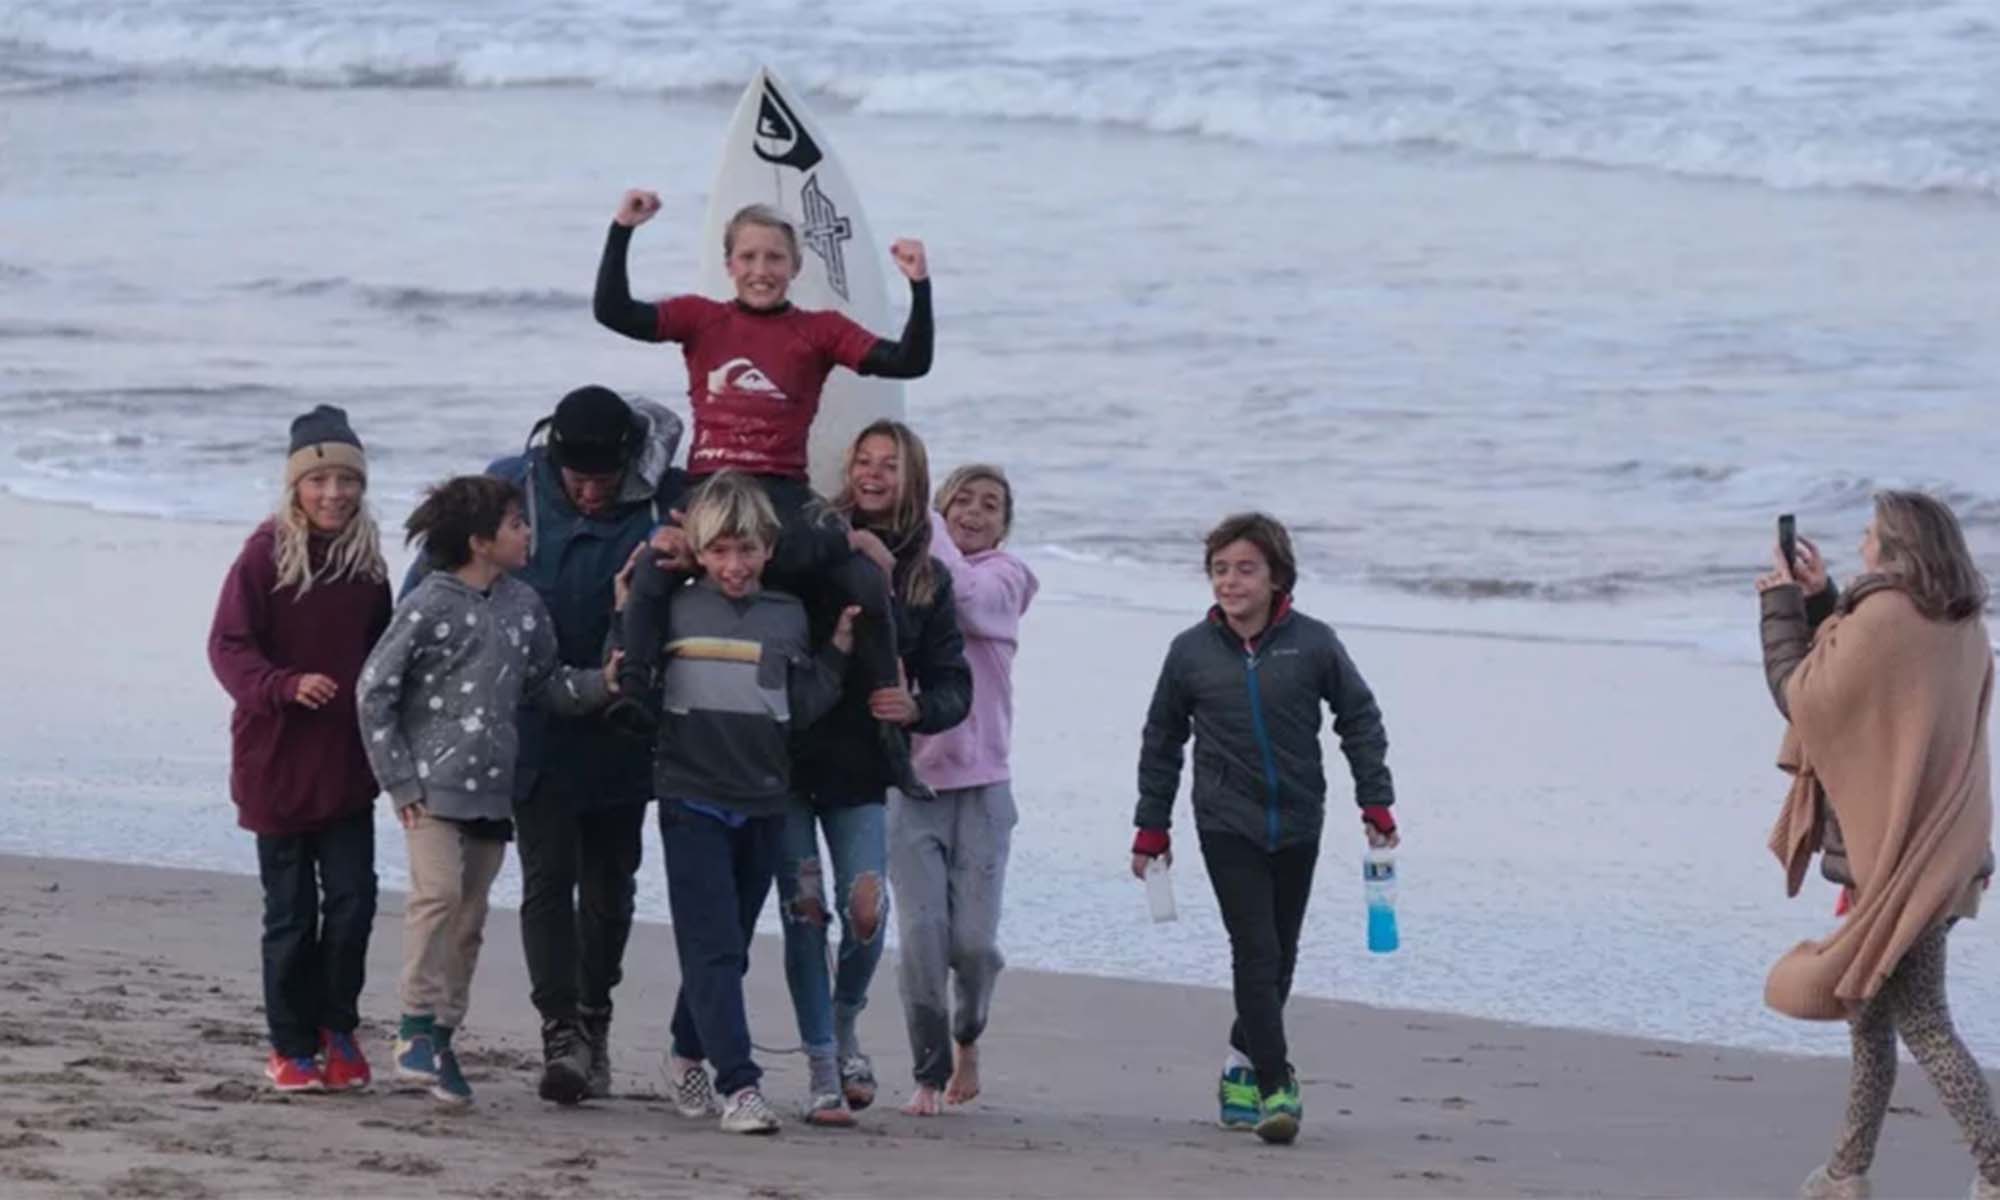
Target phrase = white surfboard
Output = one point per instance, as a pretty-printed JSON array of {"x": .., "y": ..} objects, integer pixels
[{"x": 776, "y": 153}]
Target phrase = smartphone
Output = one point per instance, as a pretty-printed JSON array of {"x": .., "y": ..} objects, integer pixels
[{"x": 1788, "y": 539}]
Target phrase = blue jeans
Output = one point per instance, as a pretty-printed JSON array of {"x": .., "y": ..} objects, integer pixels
[
  {"x": 717, "y": 878},
  {"x": 857, "y": 838}
]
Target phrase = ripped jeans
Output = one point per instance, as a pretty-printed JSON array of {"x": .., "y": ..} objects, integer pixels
[{"x": 857, "y": 840}]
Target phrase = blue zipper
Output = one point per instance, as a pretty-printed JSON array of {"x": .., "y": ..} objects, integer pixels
[{"x": 1264, "y": 748}]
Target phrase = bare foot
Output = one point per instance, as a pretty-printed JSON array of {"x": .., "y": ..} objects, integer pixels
[
  {"x": 924, "y": 1102},
  {"x": 964, "y": 1084}
]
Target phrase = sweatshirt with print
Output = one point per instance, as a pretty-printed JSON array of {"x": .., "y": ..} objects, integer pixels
[
  {"x": 438, "y": 695},
  {"x": 735, "y": 678}
]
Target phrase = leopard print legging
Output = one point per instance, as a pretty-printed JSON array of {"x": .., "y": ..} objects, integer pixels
[{"x": 1912, "y": 1003}]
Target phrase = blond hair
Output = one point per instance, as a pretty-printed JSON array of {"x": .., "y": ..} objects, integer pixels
[
  {"x": 731, "y": 505},
  {"x": 1923, "y": 553},
  {"x": 971, "y": 473},
  {"x": 355, "y": 552},
  {"x": 909, "y": 521},
  {"x": 767, "y": 217}
]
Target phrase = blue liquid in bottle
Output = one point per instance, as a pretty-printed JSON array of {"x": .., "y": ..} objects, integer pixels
[{"x": 1378, "y": 881}]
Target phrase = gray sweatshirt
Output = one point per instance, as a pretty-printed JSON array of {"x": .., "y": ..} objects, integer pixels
[{"x": 438, "y": 693}]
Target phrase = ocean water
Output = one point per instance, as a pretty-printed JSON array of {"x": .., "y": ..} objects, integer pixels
[{"x": 1529, "y": 316}]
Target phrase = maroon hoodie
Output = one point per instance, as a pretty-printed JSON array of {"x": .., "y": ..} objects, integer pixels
[{"x": 293, "y": 769}]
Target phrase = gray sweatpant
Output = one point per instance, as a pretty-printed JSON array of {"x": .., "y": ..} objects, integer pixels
[{"x": 948, "y": 866}]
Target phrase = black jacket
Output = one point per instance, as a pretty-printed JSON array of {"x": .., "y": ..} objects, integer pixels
[
  {"x": 1255, "y": 718},
  {"x": 839, "y": 762}
]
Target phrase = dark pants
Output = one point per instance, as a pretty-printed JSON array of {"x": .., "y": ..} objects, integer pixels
[
  {"x": 812, "y": 560},
  {"x": 578, "y": 885},
  {"x": 1263, "y": 900},
  {"x": 319, "y": 908},
  {"x": 717, "y": 878}
]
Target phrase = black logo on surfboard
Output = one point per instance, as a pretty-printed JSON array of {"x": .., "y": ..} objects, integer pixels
[
  {"x": 825, "y": 229},
  {"x": 781, "y": 139}
]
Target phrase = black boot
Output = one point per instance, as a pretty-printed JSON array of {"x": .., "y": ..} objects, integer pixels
[
  {"x": 597, "y": 1039},
  {"x": 565, "y": 1061},
  {"x": 902, "y": 772}
]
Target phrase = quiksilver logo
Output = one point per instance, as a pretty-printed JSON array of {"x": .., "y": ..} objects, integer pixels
[{"x": 780, "y": 138}]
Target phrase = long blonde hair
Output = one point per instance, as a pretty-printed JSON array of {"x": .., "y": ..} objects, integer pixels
[
  {"x": 356, "y": 551},
  {"x": 910, "y": 518},
  {"x": 1923, "y": 552}
]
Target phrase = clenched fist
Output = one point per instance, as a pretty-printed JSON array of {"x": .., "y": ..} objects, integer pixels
[
  {"x": 638, "y": 207},
  {"x": 910, "y": 260}
]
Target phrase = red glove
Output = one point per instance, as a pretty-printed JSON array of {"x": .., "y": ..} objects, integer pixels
[
  {"x": 1379, "y": 818},
  {"x": 1152, "y": 842}
]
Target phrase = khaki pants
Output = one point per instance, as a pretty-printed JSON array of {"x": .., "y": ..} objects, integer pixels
[{"x": 444, "y": 921}]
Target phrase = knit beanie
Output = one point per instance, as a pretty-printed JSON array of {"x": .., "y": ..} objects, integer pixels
[
  {"x": 323, "y": 438},
  {"x": 593, "y": 432}
]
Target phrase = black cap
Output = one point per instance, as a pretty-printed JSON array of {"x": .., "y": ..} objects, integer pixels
[
  {"x": 593, "y": 432},
  {"x": 322, "y": 425}
]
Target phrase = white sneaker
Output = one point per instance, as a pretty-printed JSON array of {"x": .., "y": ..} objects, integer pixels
[
  {"x": 1821, "y": 1186},
  {"x": 747, "y": 1112},
  {"x": 694, "y": 1095}
]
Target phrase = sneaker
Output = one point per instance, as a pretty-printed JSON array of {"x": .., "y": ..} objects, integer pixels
[
  {"x": 294, "y": 1074},
  {"x": 857, "y": 1081},
  {"x": 450, "y": 1087},
  {"x": 597, "y": 1039},
  {"x": 1239, "y": 1097},
  {"x": 747, "y": 1112},
  {"x": 416, "y": 1058},
  {"x": 346, "y": 1067},
  {"x": 565, "y": 1061},
  {"x": 829, "y": 1109},
  {"x": 1823, "y": 1185},
  {"x": 694, "y": 1095},
  {"x": 1279, "y": 1113}
]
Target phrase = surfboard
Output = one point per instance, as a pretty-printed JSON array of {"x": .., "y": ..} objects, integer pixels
[{"x": 777, "y": 153}]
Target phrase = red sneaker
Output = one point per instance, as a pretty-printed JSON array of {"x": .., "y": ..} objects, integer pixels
[
  {"x": 346, "y": 1068},
  {"x": 294, "y": 1074}
]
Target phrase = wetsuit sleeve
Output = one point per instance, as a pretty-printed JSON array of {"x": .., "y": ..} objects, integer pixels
[
  {"x": 613, "y": 304},
  {"x": 644, "y": 627},
  {"x": 813, "y": 684},
  {"x": 237, "y": 636},
  {"x": 1357, "y": 719},
  {"x": 908, "y": 357},
  {"x": 1161, "y": 749},
  {"x": 943, "y": 678}
]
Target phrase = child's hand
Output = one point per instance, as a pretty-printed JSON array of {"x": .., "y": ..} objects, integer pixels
[
  {"x": 611, "y": 666},
  {"x": 910, "y": 258},
  {"x": 894, "y": 705},
  {"x": 637, "y": 208},
  {"x": 315, "y": 691},
  {"x": 843, "y": 631},
  {"x": 1140, "y": 862},
  {"x": 672, "y": 543},
  {"x": 621, "y": 583},
  {"x": 410, "y": 816}
]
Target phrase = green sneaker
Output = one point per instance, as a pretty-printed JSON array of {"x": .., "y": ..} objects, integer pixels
[
  {"x": 1279, "y": 1113},
  {"x": 1238, "y": 1093}
]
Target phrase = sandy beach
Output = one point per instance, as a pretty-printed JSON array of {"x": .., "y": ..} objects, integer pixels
[{"x": 130, "y": 1036}]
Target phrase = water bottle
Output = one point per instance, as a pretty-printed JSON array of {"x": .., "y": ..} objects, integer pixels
[
  {"x": 1159, "y": 890},
  {"x": 1378, "y": 884}
]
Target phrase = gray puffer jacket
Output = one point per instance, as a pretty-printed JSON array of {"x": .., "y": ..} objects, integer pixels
[{"x": 438, "y": 694}]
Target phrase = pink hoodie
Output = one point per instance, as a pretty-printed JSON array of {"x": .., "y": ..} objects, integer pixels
[{"x": 992, "y": 590}]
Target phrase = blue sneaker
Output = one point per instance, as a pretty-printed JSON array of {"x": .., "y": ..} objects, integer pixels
[
  {"x": 450, "y": 1088},
  {"x": 1240, "y": 1100},
  {"x": 416, "y": 1050}
]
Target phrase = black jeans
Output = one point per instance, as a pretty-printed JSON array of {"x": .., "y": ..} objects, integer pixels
[
  {"x": 319, "y": 908},
  {"x": 717, "y": 879},
  {"x": 1263, "y": 897},
  {"x": 579, "y": 869}
]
